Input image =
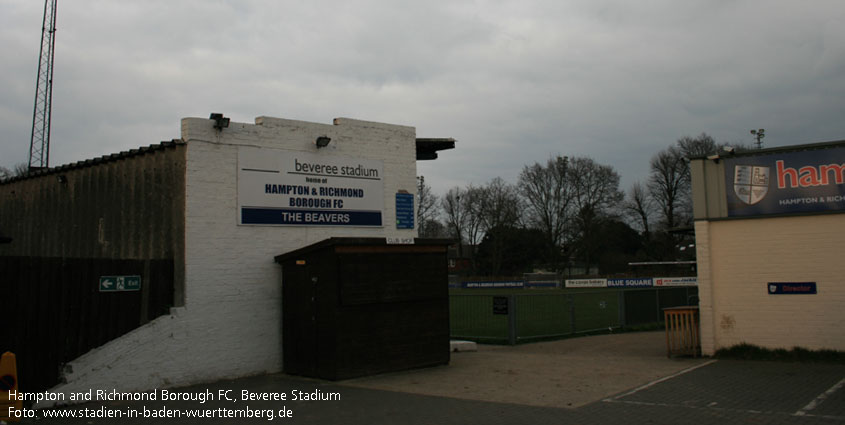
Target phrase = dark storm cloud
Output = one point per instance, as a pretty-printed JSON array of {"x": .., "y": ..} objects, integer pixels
[{"x": 514, "y": 82}]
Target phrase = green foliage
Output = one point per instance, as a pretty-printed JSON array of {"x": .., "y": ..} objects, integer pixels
[
  {"x": 524, "y": 249},
  {"x": 746, "y": 351},
  {"x": 618, "y": 245}
]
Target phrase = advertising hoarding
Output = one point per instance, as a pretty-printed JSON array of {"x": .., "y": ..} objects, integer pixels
[
  {"x": 586, "y": 283},
  {"x": 629, "y": 283},
  {"x": 494, "y": 284},
  {"x": 676, "y": 281}
]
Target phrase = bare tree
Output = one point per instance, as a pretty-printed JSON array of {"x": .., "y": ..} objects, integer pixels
[
  {"x": 669, "y": 184},
  {"x": 670, "y": 180},
  {"x": 596, "y": 195},
  {"x": 20, "y": 169},
  {"x": 456, "y": 215},
  {"x": 463, "y": 212},
  {"x": 435, "y": 229},
  {"x": 544, "y": 190},
  {"x": 475, "y": 203},
  {"x": 427, "y": 211},
  {"x": 594, "y": 185},
  {"x": 500, "y": 212},
  {"x": 639, "y": 207},
  {"x": 501, "y": 205},
  {"x": 702, "y": 145}
]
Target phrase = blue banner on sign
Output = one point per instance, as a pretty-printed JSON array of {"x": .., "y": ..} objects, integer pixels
[
  {"x": 629, "y": 283},
  {"x": 789, "y": 288},
  {"x": 309, "y": 217},
  {"x": 785, "y": 183}
]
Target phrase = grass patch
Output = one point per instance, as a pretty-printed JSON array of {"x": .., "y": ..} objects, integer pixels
[{"x": 796, "y": 354}]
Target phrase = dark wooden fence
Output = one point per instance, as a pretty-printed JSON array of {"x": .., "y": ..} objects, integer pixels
[{"x": 52, "y": 310}]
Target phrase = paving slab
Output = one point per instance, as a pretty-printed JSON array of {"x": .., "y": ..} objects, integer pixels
[
  {"x": 567, "y": 373},
  {"x": 771, "y": 392},
  {"x": 606, "y": 379}
]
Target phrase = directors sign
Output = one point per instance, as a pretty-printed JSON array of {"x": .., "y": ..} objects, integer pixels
[
  {"x": 282, "y": 188},
  {"x": 806, "y": 181}
]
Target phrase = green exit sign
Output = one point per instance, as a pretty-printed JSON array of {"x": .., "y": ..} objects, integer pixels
[{"x": 120, "y": 283}]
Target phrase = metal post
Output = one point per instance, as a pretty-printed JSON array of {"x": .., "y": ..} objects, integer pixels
[
  {"x": 512, "y": 336},
  {"x": 657, "y": 297},
  {"x": 621, "y": 308}
]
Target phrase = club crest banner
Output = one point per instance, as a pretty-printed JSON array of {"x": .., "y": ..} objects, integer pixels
[{"x": 805, "y": 181}]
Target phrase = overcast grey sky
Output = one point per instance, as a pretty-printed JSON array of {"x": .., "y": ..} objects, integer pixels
[{"x": 514, "y": 81}]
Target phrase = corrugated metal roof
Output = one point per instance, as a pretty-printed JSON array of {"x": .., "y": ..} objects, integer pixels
[{"x": 100, "y": 160}]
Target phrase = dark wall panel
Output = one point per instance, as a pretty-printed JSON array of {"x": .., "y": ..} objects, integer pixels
[
  {"x": 54, "y": 311},
  {"x": 122, "y": 214},
  {"x": 356, "y": 306}
]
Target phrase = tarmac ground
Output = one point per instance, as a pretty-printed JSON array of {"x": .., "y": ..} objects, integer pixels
[{"x": 623, "y": 378}]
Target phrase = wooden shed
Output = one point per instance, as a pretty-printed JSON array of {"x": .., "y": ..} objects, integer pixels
[{"x": 359, "y": 306}]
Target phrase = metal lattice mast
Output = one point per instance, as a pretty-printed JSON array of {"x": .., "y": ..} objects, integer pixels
[{"x": 39, "y": 147}]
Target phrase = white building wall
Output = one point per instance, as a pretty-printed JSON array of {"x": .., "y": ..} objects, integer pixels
[
  {"x": 230, "y": 324},
  {"x": 705, "y": 287},
  {"x": 738, "y": 258}
]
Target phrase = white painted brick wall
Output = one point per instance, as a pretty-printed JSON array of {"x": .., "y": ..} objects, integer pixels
[
  {"x": 230, "y": 324},
  {"x": 737, "y": 258}
]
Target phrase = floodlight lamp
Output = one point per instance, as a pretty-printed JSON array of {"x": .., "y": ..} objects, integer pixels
[
  {"x": 220, "y": 122},
  {"x": 322, "y": 141}
]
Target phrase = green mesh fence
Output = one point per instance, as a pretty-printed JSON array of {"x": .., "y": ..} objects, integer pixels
[{"x": 520, "y": 315}]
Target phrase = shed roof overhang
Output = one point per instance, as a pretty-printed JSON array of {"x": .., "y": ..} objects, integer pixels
[{"x": 427, "y": 148}]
